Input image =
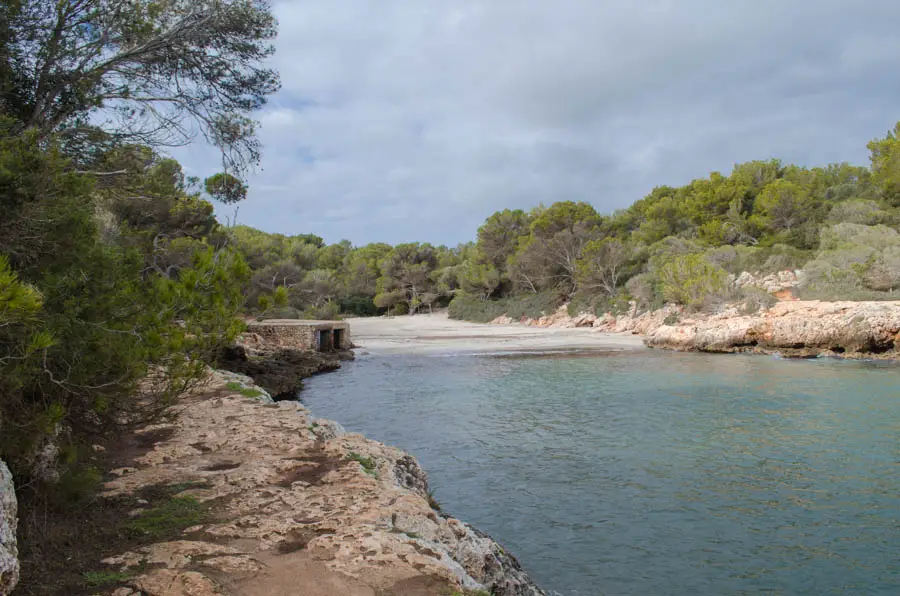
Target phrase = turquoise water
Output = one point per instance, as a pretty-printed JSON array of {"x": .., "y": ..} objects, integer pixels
[{"x": 652, "y": 473}]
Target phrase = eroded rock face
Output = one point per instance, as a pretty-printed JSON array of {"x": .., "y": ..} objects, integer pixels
[
  {"x": 801, "y": 328},
  {"x": 303, "y": 505},
  {"x": 9, "y": 519},
  {"x": 280, "y": 372}
]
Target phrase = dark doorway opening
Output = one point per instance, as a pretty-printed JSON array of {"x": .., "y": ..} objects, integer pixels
[{"x": 324, "y": 341}]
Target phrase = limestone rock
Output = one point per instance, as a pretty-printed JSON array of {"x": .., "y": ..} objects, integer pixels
[
  {"x": 166, "y": 582},
  {"x": 287, "y": 493},
  {"x": 327, "y": 429},
  {"x": 410, "y": 475},
  {"x": 772, "y": 283},
  {"x": 245, "y": 382},
  {"x": 800, "y": 328},
  {"x": 9, "y": 519},
  {"x": 279, "y": 372}
]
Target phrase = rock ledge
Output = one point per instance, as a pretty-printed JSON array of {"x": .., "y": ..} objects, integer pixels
[{"x": 302, "y": 508}]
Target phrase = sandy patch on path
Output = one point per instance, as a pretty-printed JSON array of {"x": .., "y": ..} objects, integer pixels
[{"x": 437, "y": 333}]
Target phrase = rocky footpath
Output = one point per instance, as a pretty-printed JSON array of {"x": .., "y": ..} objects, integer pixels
[
  {"x": 796, "y": 329},
  {"x": 296, "y": 506},
  {"x": 9, "y": 562}
]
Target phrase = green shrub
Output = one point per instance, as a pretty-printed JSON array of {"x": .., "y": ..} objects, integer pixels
[
  {"x": 285, "y": 312},
  {"x": 758, "y": 259},
  {"x": 87, "y": 319},
  {"x": 755, "y": 299},
  {"x": 328, "y": 311},
  {"x": 837, "y": 290},
  {"x": 100, "y": 579},
  {"x": 672, "y": 319},
  {"x": 646, "y": 292},
  {"x": 468, "y": 308},
  {"x": 245, "y": 391},
  {"x": 361, "y": 306},
  {"x": 169, "y": 518},
  {"x": 368, "y": 464},
  {"x": 691, "y": 280},
  {"x": 599, "y": 304},
  {"x": 858, "y": 211}
]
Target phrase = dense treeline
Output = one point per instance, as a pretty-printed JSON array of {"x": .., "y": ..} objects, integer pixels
[
  {"x": 117, "y": 284},
  {"x": 294, "y": 276},
  {"x": 839, "y": 223}
]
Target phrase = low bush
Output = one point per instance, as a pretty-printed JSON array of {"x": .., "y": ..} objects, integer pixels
[
  {"x": 284, "y": 312},
  {"x": 836, "y": 291},
  {"x": 692, "y": 280},
  {"x": 360, "y": 306},
  {"x": 754, "y": 300},
  {"x": 330, "y": 311},
  {"x": 245, "y": 391},
  {"x": 758, "y": 259},
  {"x": 368, "y": 464},
  {"x": 468, "y": 308},
  {"x": 100, "y": 579},
  {"x": 599, "y": 305},
  {"x": 169, "y": 518}
]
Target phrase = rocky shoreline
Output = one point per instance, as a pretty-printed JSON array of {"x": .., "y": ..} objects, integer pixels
[
  {"x": 280, "y": 372},
  {"x": 299, "y": 506},
  {"x": 284, "y": 502},
  {"x": 791, "y": 328},
  {"x": 802, "y": 329}
]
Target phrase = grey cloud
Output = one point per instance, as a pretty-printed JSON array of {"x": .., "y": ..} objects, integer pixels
[{"x": 403, "y": 120}]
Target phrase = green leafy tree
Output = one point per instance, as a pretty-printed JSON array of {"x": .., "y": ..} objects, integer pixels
[
  {"x": 140, "y": 72},
  {"x": 226, "y": 188},
  {"x": 478, "y": 279},
  {"x": 602, "y": 265},
  {"x": 500, "y": 234},
  {"x": 564, "y": 215},
  {"x": 407, "y": 270},
  {"x": 782, "y": 206},
  {"x": 115, "y": 311},
  {"x": 885, "y": 156}
]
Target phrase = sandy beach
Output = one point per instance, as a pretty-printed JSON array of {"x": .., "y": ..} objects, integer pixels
[{"x": 437, "y": 333}]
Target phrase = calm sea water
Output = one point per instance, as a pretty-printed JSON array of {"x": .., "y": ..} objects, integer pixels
[{"x": 652, "y": 473}]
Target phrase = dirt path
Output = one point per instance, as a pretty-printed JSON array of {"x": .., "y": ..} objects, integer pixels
[{"x": 439, "y": 334}]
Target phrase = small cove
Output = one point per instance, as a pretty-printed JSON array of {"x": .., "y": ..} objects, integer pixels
[{"x": 651, "y": 472}]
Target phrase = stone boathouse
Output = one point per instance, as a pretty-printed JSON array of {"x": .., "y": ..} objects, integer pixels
[{"x": 311, "y": 336}]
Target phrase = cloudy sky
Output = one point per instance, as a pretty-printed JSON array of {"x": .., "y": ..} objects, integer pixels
[{"x": 404, "y": 120}]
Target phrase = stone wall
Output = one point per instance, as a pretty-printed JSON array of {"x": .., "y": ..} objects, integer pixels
[
  {"x": 281, "y": 334},
  {"x": 9, "y": 562}
]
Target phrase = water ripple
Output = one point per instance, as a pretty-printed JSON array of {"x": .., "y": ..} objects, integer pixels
[{"x": 655, "y": 473}]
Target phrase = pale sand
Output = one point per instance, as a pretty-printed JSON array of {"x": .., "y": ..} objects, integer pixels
[{"x": 436, "y": 334}]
